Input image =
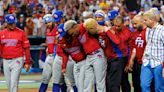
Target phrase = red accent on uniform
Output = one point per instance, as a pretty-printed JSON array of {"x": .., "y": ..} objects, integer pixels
[
  {"x": 89, "y": 43},
  {"x": 140, "y": 36},
  {"x": 106, "y": 45},
  {"x": 163, "y": 64},
  {"x": 50, "y": 39},
  {"x": 113, "y": 37},
  {"x": 121, "y": 39},
  {"x": 64, "y": 49},
  {"x": 14, "y": 44}
]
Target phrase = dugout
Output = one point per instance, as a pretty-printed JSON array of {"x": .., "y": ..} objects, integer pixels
[{"x": 35, "y": 49}]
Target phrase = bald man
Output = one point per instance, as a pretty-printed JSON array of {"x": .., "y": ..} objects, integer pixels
[
  {"x": 153, "y": 56},
  {"x": 137, "y": 49}
]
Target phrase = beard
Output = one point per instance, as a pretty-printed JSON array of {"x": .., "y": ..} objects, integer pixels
[{"x": 140, "y": 28}]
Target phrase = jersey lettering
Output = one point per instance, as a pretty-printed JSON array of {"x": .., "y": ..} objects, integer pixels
[
  {"x": 9, "y": 42},
  {"x": 139, "y": 42}
]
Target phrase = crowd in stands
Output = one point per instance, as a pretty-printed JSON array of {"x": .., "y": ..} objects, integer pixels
[{"x": 30, "y": 12}]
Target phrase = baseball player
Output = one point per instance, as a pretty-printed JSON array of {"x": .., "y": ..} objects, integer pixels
[
  {"x": 14, "y": 46},
  {"x": 59, "y": 18},
  {"x": 70, "y": 46},
  {"x": 107, "y": 38},
  {"x": 50, "y": 40},
  {"x": 95, "y": 60}
]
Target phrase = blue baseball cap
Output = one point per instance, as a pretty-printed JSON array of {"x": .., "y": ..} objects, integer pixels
[
  {"x": 58, "y": 15},
  {"x": 10, "y": 18},
  {"x": 48, "y": 18},
  {"x": 61, "y": 30},
  {"x": 112, "y": 14}
]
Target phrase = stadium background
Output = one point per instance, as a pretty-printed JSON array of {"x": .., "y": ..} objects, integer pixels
[{"x": 29, "y": 18}]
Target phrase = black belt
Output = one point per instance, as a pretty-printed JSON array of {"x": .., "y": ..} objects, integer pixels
[
  {"x": 118, "y": 59},
  {"x": 94, "y": 52}
]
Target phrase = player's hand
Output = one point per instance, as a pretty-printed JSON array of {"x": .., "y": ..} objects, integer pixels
[
  {"x": 63, "y": 72},
  {"x": 112, "y": 30},
  {"x": 27, "y": 67},
  {"x": 129, "y": 67}
]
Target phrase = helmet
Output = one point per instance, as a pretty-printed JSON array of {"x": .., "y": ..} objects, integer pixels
[
  {"x": 48, "y": 18},
  {"x": 58, "y": 15},
  {"x": 10, "y": 18},
  {"x": 112, "y": 14}
]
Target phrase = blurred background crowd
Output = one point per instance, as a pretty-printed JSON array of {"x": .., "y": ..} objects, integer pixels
[{"x": 30, "y": 12}]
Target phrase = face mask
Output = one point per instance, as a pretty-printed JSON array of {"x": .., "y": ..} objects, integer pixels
[{"x": 101, "y": 23}]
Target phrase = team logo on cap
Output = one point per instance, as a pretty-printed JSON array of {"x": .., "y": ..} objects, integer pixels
[
  {"x": 47, "y": 18},
  {"x": 59, "y": 30},
  {"x": 109, "y": 14},
  {"x": 11, "y": 17},
  {"x": 55, "y": 15}
]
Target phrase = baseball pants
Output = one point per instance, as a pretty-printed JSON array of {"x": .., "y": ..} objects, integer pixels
[
  {"x": 47, "y": 69},
  {"x": 79, "y": 71},
  {"x": 57, "y": 76},
  {"x": 12, "y": 70},
  {"x": 95, "y": 68}
]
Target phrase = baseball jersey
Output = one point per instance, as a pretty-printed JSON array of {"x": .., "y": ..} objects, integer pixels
[
  {"x": 89, "y": 43},
  {"x": 139, "y": 43},
  {"x": 51, "y": 39},
  {"x": 64, "y": 49},
  {"x": 104, "y": 41},
  {"x": 14, "y": 44},
  {"x": 118, "y": 43}
]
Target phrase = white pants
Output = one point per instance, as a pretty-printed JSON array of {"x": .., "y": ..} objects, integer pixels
[
  {"x": 79, "y": 74},
  {"x": 57, "y": 76},
  {"x": 12, "y": 70},
  {"x": 47, "y": 69},
  {"x": 95, "y": 67}
]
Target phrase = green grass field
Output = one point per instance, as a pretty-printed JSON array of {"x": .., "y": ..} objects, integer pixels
[
  {"x": 35, "y": 77},
  {"x": 33, "y": 85}
]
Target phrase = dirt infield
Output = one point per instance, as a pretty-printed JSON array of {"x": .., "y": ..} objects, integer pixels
[{"x": 26, "y": 90}]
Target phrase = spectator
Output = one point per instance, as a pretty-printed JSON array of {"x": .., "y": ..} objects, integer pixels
[
  {"x": 29, "y": 26},
  {"x": 1, "y": 8},
  {"x": 162, "y": 14},
  {"x": 146, "y": 4},
  {"x": 132, "y": 5},
  {"x": 105, "y": 7},
  {"x": 157, "y": 3},
  {"x": 93, "y": 7},
  {"x": 21, "y": 22}
]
